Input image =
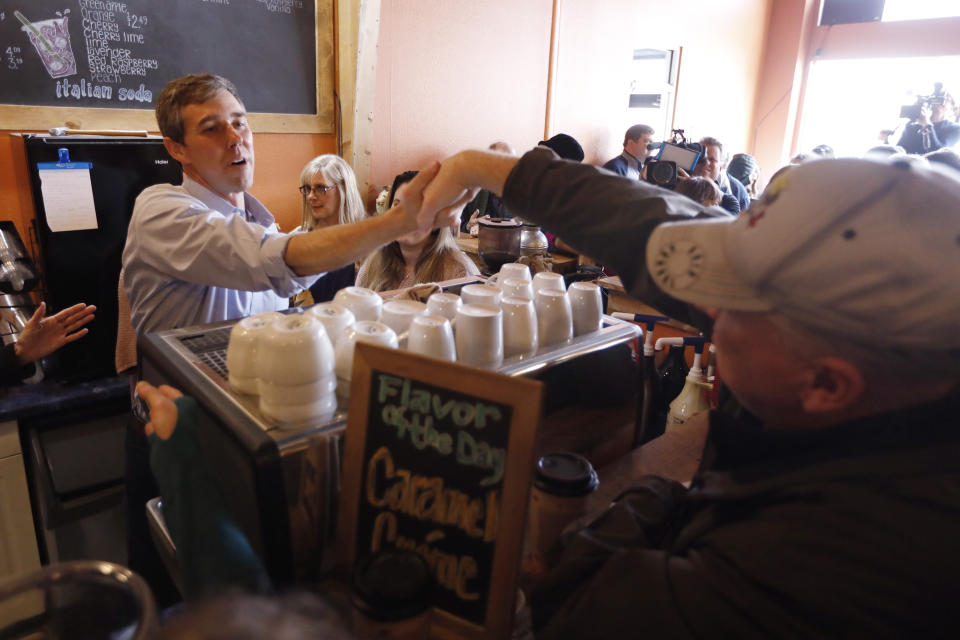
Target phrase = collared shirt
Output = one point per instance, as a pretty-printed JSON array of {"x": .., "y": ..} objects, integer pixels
[
  {"x": 625, "y": 165},
  {"x": 193, "y": 258}
]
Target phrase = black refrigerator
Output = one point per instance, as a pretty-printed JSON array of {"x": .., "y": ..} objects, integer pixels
[{"x": 84, "y": 265}]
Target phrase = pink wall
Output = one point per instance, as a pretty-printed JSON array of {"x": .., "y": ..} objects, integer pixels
[
  {"x": 722, "y": 52},
  {"x": 456, "y": 75},
  {"x": 453, "y": 75}
]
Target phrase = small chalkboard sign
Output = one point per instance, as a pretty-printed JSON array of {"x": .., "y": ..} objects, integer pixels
[{"x": 438, "y": 459}]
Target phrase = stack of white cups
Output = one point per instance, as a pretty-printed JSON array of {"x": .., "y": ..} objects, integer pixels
[
  {"x": 295, "y": 364},
  {"x": 554, "y": 314},
  {"x": 479, "y": 335},
  {"x": 242, "y": 349}
]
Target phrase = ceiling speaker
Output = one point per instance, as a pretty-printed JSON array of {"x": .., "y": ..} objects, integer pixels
[{"x": 850, "y": 11}]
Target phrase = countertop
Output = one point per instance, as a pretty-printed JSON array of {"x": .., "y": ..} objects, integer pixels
[{"x": 28, "y": 400}]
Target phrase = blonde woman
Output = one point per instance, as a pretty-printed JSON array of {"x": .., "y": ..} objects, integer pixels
[
  {"x": 414, "y": 258},
  {"x": 330, "y": 197}
]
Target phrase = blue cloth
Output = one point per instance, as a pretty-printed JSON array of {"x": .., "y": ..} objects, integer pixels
[
  {"x": 213, "y": 554},
  {"x": 193, "y": 258},
  {"x": 738, "y": 191},
  {"x": 917, "y": 139},
  {"x": 624, "y": 165}
]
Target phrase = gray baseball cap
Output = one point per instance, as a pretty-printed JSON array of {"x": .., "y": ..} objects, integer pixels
[{"x": 863, "y": 251}]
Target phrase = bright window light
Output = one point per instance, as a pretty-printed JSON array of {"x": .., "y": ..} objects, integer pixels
[
  {"x": 895, "y": 10},
  {"x": 849, "y": 102}
]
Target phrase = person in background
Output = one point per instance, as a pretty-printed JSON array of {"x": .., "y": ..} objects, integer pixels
[
  {"x": 486, "y": 203},
  {"x": 711, "y": 165},
  {"x": 40, "y": 337},
  {"x": 702, "y": 190},
  {"x": 630, "y": 162},
  {"x": 881, "y": 151},
  {"x": 330, "y": 197},
  {"x": 415, "y": 258},
  {"x": 836, "y": 515},
  {"x": 823, "y": 151},
  {"x": 565, "y": 146},
  {"x": 935, "y": 128},
  {"x": 745, "y": 169},
  {"x": 944, "y": 157}
]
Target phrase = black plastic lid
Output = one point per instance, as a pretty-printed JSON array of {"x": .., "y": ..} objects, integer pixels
[
  {"x": 565, "y": 474},
  {"x": 392, "y": 585}
]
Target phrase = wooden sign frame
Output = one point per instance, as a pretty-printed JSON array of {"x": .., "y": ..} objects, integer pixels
[
  {"x": 524, "y": 397},
  {"x": 41, "y": 118}
]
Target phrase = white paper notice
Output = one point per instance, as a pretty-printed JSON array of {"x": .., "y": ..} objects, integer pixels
[{"x": 67, "y": 195}]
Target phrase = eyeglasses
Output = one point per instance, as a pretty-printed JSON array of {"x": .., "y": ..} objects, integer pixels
[{"x": 318, "y": 190}]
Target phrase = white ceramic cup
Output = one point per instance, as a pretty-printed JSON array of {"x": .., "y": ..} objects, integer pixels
[
  {"x": 479, "y": 335},
  {"x": 587, "y": 307},
  {"x": 287, "y": 394},
  {"x": 444, "y": 304},
  {"x": 242, "y": 350},
  {"x": 364, "y": 303},
  {"x": 510, "y": 270},
  {"x": 554, "y": 317},
  {"x": 295, "y": 350},
  {"x": 334, "y": 316},
  {"x": 397, "y": 314},
  {"x": 520, "y": 333},
  {"x": 548, "y": 280},
  {"x": 517, "y": 288},
  {"x": 481, "y": 294},
  {"x": 432, "y": 336},
  {"x": 294, "y": 415},
  {"x": 362, "y": 331}
]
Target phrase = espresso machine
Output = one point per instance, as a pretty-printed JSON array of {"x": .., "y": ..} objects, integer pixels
[
  {"x": 18, "y": 277},
  {"x": 282, "y": 486}
]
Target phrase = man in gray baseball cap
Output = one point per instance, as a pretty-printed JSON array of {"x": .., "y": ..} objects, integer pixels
[{"x": 834, "y": 304}]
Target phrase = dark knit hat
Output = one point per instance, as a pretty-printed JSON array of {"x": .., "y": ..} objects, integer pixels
[
  {"x": 741, "y": 166},
  {"x": 565, "y": 146}
]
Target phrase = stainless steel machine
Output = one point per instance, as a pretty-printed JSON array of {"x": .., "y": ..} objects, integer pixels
[{"x": 282, "y": 486}]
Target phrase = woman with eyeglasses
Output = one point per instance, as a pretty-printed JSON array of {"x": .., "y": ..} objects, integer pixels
[
  {"x": 330, "y": 197},
  {"x": 414, "y": 258}
]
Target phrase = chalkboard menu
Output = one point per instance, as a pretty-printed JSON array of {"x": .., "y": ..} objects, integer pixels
[
  {"x": 120, "y": 53},
  {"x": 438, "y": 460}
]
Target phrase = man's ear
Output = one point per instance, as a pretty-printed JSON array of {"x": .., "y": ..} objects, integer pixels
[
  {"x": 177, "y": 150},
  {"x": 835, "y": 385}
]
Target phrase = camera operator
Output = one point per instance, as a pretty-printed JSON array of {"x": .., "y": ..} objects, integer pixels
[{"x": 934, "y": 127}]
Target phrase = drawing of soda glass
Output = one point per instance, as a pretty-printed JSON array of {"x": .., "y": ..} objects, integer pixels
[{"x": 51, "y": 39}]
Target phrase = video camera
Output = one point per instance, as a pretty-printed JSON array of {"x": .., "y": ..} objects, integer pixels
[
  {"x": 913, "y": 111},
  {"x": 676, "y": 154}
]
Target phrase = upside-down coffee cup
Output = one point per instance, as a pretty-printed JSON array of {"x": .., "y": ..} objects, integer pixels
[
  {"x": 334, "y": 316},
  {"x": 520, "y": 333},
  {"x": 481, "y": 294},
  {"x": 517, "y": 288},
  {"x": 397, "y": 314},
  {"x": 479, "y": 335},
  {"x": 548, "y": 280},
  {"x": 444, "y": 304},
  {"x": 432, "y": 336},
  {"x": 587, "y": 307},
  {"x": 242, "y": 351},
  {"x": 364, "y": 303},
  {"x": 294, "y": 350},
  {"x": 367, "y": 331},
  {"x": 554, "y": 317},
  {"x": 514, "y": 270}
]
